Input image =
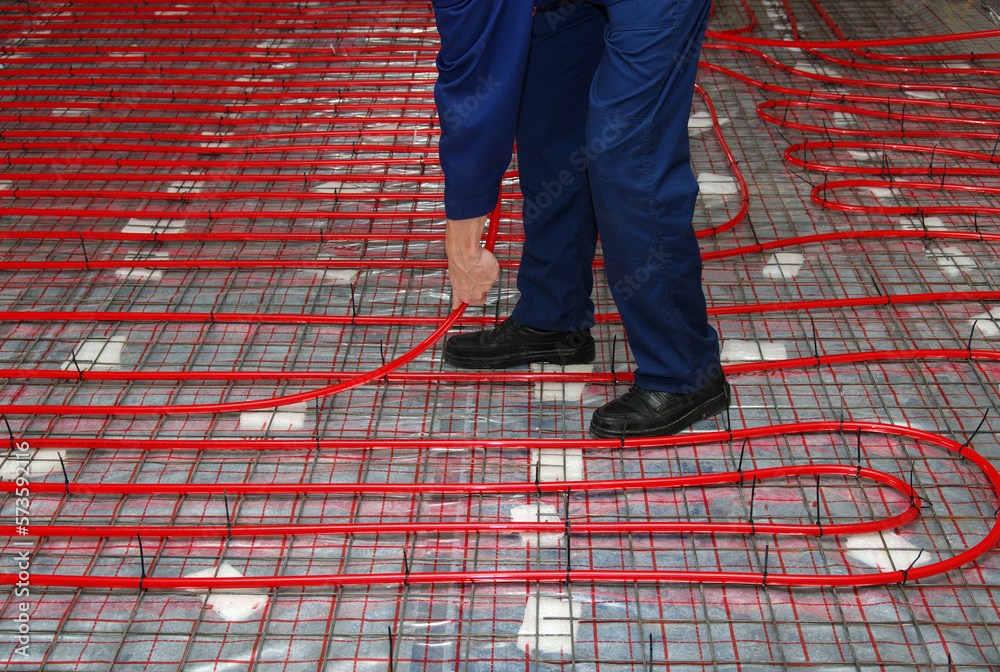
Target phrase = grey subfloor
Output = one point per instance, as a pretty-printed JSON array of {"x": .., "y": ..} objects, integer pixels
[{"x": 949, "y": 621}]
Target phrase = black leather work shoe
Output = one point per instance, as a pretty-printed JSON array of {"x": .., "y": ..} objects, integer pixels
[
  {"x": 642, "y": 412},
  {"x": 513, "y": 343}
]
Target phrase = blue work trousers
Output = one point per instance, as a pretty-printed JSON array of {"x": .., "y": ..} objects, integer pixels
[{"x": 602, "y": 149}]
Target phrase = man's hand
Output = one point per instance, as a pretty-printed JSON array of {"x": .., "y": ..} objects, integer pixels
[{"x": 472, "y": 269}]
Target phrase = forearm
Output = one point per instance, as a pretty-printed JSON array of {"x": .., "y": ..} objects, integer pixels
[
  {"x": 464, "y": 236},
  {"x": 472, "y": 269}
]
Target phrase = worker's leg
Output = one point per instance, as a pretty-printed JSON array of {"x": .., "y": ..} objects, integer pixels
[
  {"x": 556, "y": 277},
  {"x": 552, "y": 319},
  {"x": 644, "y": 194},
  {"x": 644, "y": 189}
]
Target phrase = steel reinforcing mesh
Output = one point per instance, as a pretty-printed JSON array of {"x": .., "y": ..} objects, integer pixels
[{"x": 209, "y": 206}]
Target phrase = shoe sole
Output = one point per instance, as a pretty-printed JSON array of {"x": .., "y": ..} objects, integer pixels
[
  {"x": 562, "y": 358},
  {"x": 707, "y": 409}
]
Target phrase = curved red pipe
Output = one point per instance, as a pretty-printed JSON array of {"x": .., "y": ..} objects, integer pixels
[{"x": 912, "y": 573}]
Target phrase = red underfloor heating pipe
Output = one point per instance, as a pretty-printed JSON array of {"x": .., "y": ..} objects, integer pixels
[{"x": 67, "y": 69}]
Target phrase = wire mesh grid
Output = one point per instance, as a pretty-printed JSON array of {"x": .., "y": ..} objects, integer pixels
[{"x": 268, "y": 160}]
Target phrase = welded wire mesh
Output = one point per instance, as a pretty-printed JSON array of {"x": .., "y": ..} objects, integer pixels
[{"x": 278, "y": 160}]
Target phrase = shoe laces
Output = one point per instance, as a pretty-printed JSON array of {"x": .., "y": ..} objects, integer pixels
[{"x": 506, "y": 332}]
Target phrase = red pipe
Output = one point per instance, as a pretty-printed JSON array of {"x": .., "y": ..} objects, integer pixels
[
  {"x": 408, "y": 59},
  {"x": 912, "y": 573}
]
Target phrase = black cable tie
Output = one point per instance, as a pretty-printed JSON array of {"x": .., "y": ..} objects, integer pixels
[
  {"x": 406, "y": 569},
  {"x": 79, "y": 371},
  {"x": 211, "y": 316},
  {"x": 142, "y": 561},
  {"x": 319, "y": 418},
  {"x": 496, "y": 314},
  {"x": 815, "y": 342},
  {"x": 739, "y": 467},
  {"x": 229, "y": 525},
  {"x": 995, "y": 146},
  {"x": 381, "y": 349},
  {"x": 972, "y": 334},
  {"x": 65, "y": 475},
  {"x": 978, "y": 427},
  {"x": 729, "y": 424},
  {"x": 392, "y": 662},
  {"x": 9, "y": 431},
  {"x": 819, "y": 508},
  {"x": 538, "y": 483},
  {"x": 650, "y": 651},
  {"x": 879, "y": 289},
  {"x": 354, "y": 307},
  {"x": 944, "y": 174},
  {"x": 767, "y": 554},
  {"x": 86, "y": 257},
  {"x": 753, "y": 495},
  {"x": 906, "y": 572},
  {"x": 859, "y": 452},
  {"x": 614, "y": 343},
  {"x": 914, "y": 497},
  {"x": 753, "y": 231}
]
